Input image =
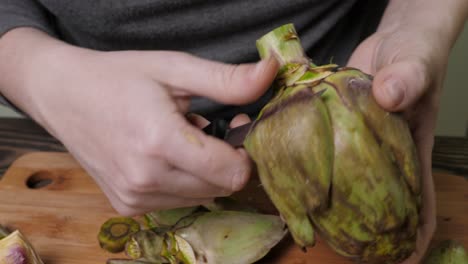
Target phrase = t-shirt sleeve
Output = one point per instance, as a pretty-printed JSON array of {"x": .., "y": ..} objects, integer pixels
[{"x": 23, "y": 13}]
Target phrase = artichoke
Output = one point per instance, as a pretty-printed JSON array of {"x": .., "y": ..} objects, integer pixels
[{"x": 332, "y": 160}]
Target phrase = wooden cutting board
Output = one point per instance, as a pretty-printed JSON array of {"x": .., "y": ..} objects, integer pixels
[{"x": 63, "y": 218}]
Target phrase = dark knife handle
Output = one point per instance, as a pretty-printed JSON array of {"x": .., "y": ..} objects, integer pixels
[
  {"x": 235, "y": 136},
  {"x": 217, "y": 128}
]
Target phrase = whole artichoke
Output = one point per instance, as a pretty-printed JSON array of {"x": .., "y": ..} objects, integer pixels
[{"x": 332, "y": 160}]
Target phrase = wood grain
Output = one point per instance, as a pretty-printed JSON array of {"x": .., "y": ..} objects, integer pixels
[
  {"x": 62, "y": 219},
  {"x": 451, "y": 153},
  {"x": 21, "y": 136}
]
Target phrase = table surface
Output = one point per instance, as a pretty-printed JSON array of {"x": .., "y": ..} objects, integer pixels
[{"x": 20, "y": 136}]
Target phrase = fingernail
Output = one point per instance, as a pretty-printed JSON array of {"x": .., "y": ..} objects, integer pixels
[
  {"x": 239, "y": 180},
  {"x": 394, "y": 90},
  {"x": 240, "y": 176}
]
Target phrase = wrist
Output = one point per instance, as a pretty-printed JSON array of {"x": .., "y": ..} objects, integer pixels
[
  {"x": 29, "y": 59},
  {"x": 440, "y": 20}
]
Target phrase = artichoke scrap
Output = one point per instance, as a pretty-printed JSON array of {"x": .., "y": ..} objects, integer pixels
[
  {"x": 115, "y": 233},
  {"x": 15, "y": 249},
  {"x": 230, "y": 237},
  {"x": 197, "y": 235},
  {"x": 447, "y": 252},
  {"x": 337, "y": 163}
]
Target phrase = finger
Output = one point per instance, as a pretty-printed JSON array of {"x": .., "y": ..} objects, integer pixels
[
  {"x": 182, "y": 102},
  {"x": 107, "y": 187},
  {"x": 364, "y": 57},
  {"x": 173, "y": 182},
  {"x": 239, "y": 120},
  {"x": 183, "y": 184},
  {"x": 401, "y": 84},
  {"x": 225, "y": 83},
  {"x": 144, "y": 203},
  {"x": 130, "y": 203},
  {"x": 425, "y": 142},
  {"x": 189, "y": 149},
  {"x": 197, "y": 120}
]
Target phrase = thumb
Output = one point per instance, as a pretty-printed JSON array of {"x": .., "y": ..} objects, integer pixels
[
  {"x": 225, "y": 83},
  {"x": 400, "y": 84}
]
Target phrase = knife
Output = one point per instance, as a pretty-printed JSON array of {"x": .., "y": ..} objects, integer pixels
[{"x": 233, "y": 136}]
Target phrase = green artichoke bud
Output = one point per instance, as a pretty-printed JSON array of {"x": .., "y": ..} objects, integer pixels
[
  {"x": 448, "y": 252},
  {"x": 336, "y": 163},
  {"x": 16, "y": 249}
]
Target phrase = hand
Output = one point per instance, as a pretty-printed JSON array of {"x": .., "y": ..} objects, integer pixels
[
  {"x": 409, "y": 68},
  {"x": 123, "y": 117}
]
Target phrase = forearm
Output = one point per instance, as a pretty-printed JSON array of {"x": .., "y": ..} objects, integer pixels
[
  {"x": 27, "y": 57},
  {"x": 443, "y": 19}
]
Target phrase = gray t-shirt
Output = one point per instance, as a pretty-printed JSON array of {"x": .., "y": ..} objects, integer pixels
[{"x": 223, "y": 30}]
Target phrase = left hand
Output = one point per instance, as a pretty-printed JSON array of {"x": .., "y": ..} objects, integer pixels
[{"x": 409, "y": 68}]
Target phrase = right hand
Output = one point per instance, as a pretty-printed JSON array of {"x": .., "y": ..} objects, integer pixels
[{"x": 122, "y": 116}]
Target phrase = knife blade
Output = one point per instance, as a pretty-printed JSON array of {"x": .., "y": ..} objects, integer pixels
[{"x": 233, "y": 136}]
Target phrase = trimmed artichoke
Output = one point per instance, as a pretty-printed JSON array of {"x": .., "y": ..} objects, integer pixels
[{"x": 332, "y": 160}]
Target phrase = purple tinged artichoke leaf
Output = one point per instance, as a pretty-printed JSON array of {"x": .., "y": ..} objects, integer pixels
[
  {"x": 15, "y": 249},
  {"x": 390, "y": 128},
  {"x": 295, "y": 169}
]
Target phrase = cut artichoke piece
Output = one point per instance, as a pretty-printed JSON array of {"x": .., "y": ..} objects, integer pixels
[
  {"x": 228, "y": 237},
  {"x": 448, "y": 252},
  {"x": 15, "y": 249},
  {"x": 165, "y": 218},
  {"x": 170, "y": 250},
  {"x": 115, "y": 233},
  {"x": 146, "y": 245},
  {"x": 185, "y": 251}
]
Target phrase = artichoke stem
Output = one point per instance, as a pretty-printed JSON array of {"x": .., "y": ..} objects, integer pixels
[
  {"x": 115, "y": 233},
  {"x": 283, "y": 43}
]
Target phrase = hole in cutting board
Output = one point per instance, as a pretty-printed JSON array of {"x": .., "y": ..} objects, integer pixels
[{"x": 39, "y": 180}]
